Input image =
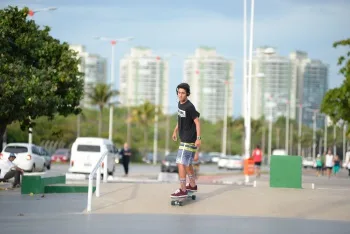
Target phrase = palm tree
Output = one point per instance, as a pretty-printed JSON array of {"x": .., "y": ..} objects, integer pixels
[
  {"x": 100, "y": 94},
  {"x": 144, "y": 116}
]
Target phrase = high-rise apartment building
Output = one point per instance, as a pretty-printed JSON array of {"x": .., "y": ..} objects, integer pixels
[
  {"x": 208, "y": 73},
  {"x": 139, "y": 71},
  {"x": 298, "y": 79},
  {"x": 94, "y": 68},
  {"x": 272, "y": 82}
]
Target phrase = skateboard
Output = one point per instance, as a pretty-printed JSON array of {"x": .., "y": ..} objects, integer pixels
[{"x": 180, "y": 200}]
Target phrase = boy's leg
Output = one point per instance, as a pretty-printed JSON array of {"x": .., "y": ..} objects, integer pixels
[
  {"x": 190, "y": 174},
  {"x": 180, "y": 159},
  {"x": 182, "y": 176},
  {"x": 190, "y": 171}
]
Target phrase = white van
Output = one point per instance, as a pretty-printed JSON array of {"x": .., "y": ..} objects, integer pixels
[{"x": 86, "y": 151}]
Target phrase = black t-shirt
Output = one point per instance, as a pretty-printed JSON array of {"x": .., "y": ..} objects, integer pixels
[
  {"x": 125, "y": 153},
  {"x": 185, "y": 118}
]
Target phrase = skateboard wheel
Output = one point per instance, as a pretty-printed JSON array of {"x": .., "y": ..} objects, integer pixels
[
  {"x": 193, "y": 197},
  {"x": 172, "y": 203},
  {"x": 180, "y": 204}
]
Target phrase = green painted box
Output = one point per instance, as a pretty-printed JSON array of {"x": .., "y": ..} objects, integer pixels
[
  {"x": 286, "y": 171},
  {"x": 36, "y": 183}
]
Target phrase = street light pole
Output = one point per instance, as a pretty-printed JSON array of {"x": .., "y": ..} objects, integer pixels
[
  {"x": 335, "y": 139},
  {"x": 245, "y": 85},
  {"x": 111, "y": 107},
  {"x": 32, "y": 12},
  {"x": 325, "y": 135},
  {"x": 344, "y": 139},
  {"x": 249, "y": 96},
  {"x": 270, "y": 137},
  {"x": 299, "y": 128},
  {"x": 155, "y": 136},
  {"x": 224, "y": 132},
  {"x": 314, "y": 136},
  {"x": 287, "y": 127}
]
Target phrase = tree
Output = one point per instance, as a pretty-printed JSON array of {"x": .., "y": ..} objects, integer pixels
[
  {"x": 336, "y": 102},
  {"x": 100, "y": 94},
  {"x": 39, "y": 76},
  {"x": 144, "y": 116}
]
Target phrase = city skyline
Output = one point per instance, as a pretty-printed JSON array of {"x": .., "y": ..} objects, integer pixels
[
  {"x": 207, "y": 72},
  {"x": 310, "y": 26},
  {"x": 140, "y": 72}
]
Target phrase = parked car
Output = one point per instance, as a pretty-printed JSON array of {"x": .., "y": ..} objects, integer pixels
[
  {"x": 61, "y": 155},
  {"x": 169, "y": 163},
  {"x": 215, "y": 156},
  {"x": 43, "y": 153},
  {"x": 205, "y": 158},
  {"x": 308, "y": 162},
  {"x": 149, "y": 157},
  {"x": 222, "y": 162},
  {"x": 234, "y": 162},
  {"x": 28, "y": 158}
]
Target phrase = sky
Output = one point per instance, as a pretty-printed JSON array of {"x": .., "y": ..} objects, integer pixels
[{"x": 181, "y": 26}]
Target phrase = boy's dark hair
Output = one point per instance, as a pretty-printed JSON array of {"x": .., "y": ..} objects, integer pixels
[{"x": 184, "y": 86}]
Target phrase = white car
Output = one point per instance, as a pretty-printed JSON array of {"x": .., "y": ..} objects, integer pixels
[
  {"x": 215, "y": 156},
  {"x": 309, "y": 162},
  {"x": 28, "y": 158},
  {"x": 222, "y": 162},
  {"x": 234, "y": 162}
]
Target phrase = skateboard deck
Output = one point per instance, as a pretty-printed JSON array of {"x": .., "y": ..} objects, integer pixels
[{"x": 180, "y": 200}]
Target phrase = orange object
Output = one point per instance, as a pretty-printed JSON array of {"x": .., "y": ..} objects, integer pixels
[{"x": 249, "y": 166}]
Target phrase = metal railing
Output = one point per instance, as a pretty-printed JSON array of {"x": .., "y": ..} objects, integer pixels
[{"x": 96, "y": 170}]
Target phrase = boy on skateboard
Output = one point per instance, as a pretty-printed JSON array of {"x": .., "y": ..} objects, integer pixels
[{"x": 188, "y": 127}]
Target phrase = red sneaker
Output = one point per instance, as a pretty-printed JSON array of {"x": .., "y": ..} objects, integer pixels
[
  {"x": 190, "y": 188},
  {"x": 179, "y": 193}
]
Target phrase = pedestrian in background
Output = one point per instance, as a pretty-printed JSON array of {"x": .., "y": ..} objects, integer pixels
[{"x": 126, "y": 154}]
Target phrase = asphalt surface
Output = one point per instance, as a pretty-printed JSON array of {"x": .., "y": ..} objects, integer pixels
[
  {"x": 133, "y": 224},
  {"x": 147, "y": 169},
  {"x": 63, "y": 214}
]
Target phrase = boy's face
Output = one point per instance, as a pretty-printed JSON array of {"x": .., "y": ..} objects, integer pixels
[{"x": 182, "y": 95}]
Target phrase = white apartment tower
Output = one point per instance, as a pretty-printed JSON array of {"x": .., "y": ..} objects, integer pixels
[
  {"x": 139, "y": 71},
  {"x": 94, "y": 68},
  {"x": 312, "y": 76},
  {"x": 296, "y": 78},
  {"x": 207, "y": 73},
  {"x": 272, "y": 82}
]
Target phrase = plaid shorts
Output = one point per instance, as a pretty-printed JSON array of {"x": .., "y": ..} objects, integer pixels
[{"x": 185, "y": 154}]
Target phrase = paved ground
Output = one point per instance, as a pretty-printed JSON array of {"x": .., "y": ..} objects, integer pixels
[
  {"x": 231, "y": 200},
  {"x": 219, "y": 208},
  {"x": 135, "y": 208}
]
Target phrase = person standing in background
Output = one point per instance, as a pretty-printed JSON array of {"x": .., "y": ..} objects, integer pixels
[{"x": 126, "y": 154}]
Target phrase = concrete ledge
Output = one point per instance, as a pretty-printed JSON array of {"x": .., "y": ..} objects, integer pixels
[{"x": 36, "y": 183}]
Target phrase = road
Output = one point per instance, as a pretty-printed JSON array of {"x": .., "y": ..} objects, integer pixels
[
  {"x": 148, "y": 169},
  {"x": 209, "y": 173}
]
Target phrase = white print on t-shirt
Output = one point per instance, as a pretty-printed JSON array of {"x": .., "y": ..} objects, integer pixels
[{"x": 181, "y": 113}]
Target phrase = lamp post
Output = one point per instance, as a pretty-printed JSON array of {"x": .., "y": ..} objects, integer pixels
[
  {"x": 32, "y": 12},
  {"x": 113, "y": 42},
  {"x": 111, "y": 107},
  {"x": 155, "y": 138},
  {"x": 287, "y": 126},
  {"x": 156, "y": 116}
]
